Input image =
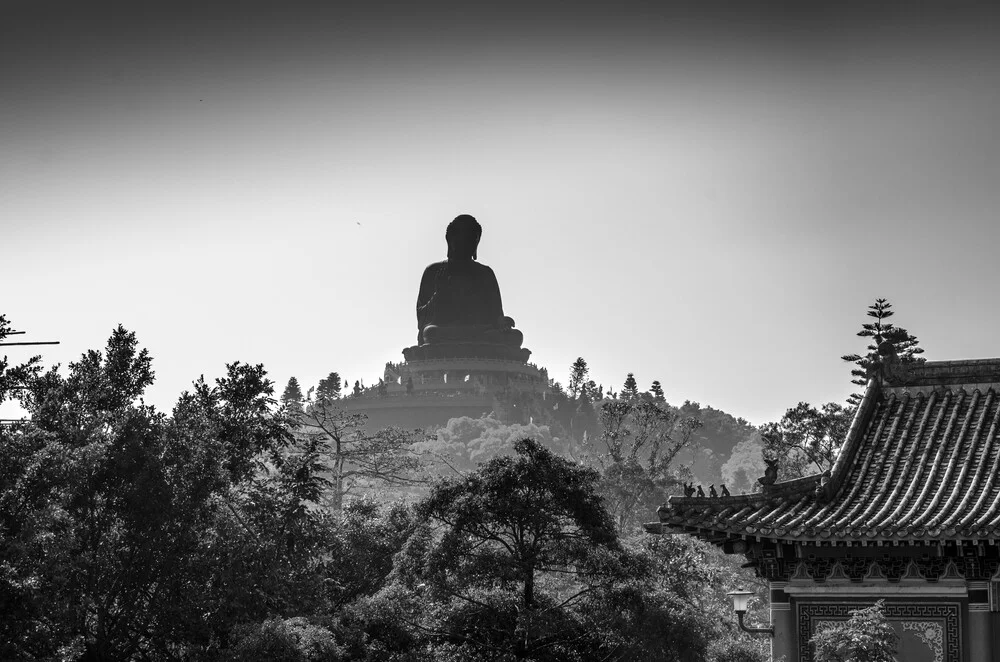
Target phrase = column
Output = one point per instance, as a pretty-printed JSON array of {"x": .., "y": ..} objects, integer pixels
[
  {"x": 980, "y": 622},
  {"x": 783, "y": 620}
]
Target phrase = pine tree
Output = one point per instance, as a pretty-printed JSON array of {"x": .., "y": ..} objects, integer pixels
[
  {"x": 292, "y": 396},
  {"x": 329, "y": 388},
  {"x": 630, "y": 390},
  {"x": 577, "y": 377},
  {"x": 657, "y": 390},
  {"x": 905, "y": 344}
]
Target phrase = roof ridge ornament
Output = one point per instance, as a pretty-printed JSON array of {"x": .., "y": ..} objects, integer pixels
[
  {"x": 770, "y": 473},
  {"x": 890, "y": 369}
]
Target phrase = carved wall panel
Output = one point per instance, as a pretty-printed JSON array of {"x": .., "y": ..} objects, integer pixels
[{"x": 928, "y": 632}]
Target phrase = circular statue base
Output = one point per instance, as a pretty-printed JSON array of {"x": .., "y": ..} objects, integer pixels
[{"x": 466, "y": 350}]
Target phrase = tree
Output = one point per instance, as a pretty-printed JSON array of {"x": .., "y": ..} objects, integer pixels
[
  {"x": 745, "y": 465},
  {"x": 292, "y": 396},
  {"x": 578, "y": 377},
  {"x": 640, "y": 438},
  {"x": 505, "y": 552},
  {"x": 866, "y": 636},
  {"x": 630, "y": 391},
  {"x": 806, "y": 440},
  {"x": 713, "y": 442},
  {"x": 465, "y": 442},
  {"x": 329, "y": 388},
  {"x": 905, "y": 344},
  {"x": 657, "y": 391},
  {"x": 126, "y": 532},
  {"x": 14, "y": 378},
  {"x": 354, "y": 458}
]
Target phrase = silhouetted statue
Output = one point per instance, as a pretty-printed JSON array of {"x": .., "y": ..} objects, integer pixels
[
  {"x": 711, "y": 490},
  {"x": 725, "y": 490},
  {"x": 689, "y": 489},
  {"x": 459, "y": 299},
  {"x": 770, "y": 473},
  {"x": 701, "y": 492}
]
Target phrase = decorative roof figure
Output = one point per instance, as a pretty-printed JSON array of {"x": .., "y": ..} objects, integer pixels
[{"x": 770, "y": 473}]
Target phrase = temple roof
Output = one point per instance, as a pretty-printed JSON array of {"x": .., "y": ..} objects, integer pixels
[{"x": 921, "y": 462}]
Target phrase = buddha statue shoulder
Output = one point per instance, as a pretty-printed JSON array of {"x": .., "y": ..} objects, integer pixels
[{"x": 459, "y": 298}]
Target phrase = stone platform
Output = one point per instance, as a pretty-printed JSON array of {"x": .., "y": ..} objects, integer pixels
[{"x": 466, "y": 350}]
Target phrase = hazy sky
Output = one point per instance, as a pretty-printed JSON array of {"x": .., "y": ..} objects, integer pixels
[{"x": 709, "y": 199}]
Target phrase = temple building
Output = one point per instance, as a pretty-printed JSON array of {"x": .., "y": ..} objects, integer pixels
[{"x": 909, "y": 513}]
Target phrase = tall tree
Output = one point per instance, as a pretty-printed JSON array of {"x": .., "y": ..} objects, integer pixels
[
  {"x": 131, "y": 534},
  {"x": 640, "y": 438},
  {"x": 505, "y": 526},
  {"x": 807, "y": 439},
  {"x": 356, "y": 458},
  {"x": 657, "y": 390},
  {"x": 520, "y": 561},
  {"x": 329, "y": 388},
  {"x": 292, "y": 396},
  {"x": 630, "y": 390},
  {"x": 905, "y": 344},
  {"x": 578, "y": 373}
]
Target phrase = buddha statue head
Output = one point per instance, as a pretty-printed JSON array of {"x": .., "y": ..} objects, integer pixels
[{"x": 463, "y": 235}]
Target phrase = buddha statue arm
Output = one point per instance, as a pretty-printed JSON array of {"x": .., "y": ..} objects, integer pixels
[
  {"x": 425, "y": 297},
  {"x": 494, "y": 304}
]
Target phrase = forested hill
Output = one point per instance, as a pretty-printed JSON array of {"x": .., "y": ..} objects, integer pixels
[{"x": 575, "y": 414}]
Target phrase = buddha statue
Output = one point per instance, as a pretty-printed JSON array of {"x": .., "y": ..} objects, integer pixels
[{"x": 459, "y": 298}]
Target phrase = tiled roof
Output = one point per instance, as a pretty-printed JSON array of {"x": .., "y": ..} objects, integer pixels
[{"x": 921, "y": 462}]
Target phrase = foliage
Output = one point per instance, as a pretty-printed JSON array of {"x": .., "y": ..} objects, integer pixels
[
  {"x": 292, "y": 396},
  {"x": 129, "y": 534},
  {"x": 905, "y": 344},
  {"x": 866, "y": 636},
  {"x": 466, "y": 442},
  {"x": 345, "y": 457},
  {"x": 13, "y": 378},
  {"x": 630, "y": 390},
  {"x": 641, "y": 438},
  {"x": 288, "y": 640},
  {"x": 713, "y": 442},
  {"x": 739, "y": 649},
  {"x": 744, "y": 466},
  {"x": 578, "y": 377},
  {"x": 519, "y": 560},
  {"x": 806, "y": 440},
  {"x": 108, "y": 506},
  {"x": 329, "y": 387}
]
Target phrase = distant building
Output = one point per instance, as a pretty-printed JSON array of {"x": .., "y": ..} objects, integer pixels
[{"x": 910, "y": 513}]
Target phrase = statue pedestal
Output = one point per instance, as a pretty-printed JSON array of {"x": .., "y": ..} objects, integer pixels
[
  {"x": 466, "y": 350},
  {"x": 438, "y": 382}
]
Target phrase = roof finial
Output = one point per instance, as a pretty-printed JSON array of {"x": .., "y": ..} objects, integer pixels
[{"x": 770, "y": 474}]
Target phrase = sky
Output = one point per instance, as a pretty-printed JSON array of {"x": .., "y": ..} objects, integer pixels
[{"x": 710, "y": 198}]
